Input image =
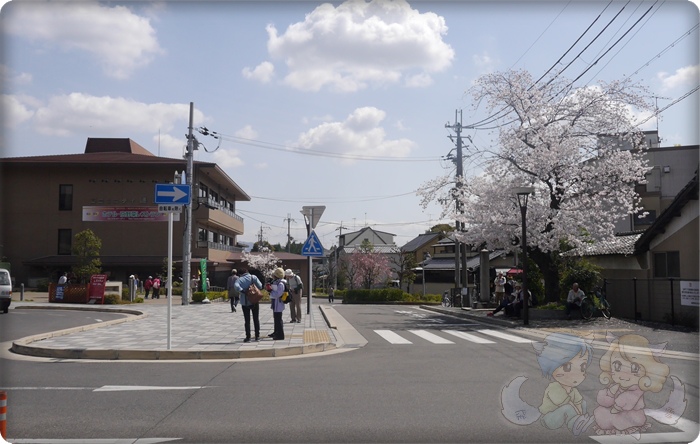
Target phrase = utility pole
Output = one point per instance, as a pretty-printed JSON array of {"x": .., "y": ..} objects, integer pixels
[
  {"x": 460, "y": 249},
  {"x": 289, "y": 220},
  {"x": 337, "y": 255},
  {"x": 187, "y": 235}
]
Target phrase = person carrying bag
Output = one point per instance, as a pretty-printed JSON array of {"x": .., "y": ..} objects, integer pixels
[{"x": 249, "y": 286}]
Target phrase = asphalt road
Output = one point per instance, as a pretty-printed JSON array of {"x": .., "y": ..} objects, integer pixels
[{"x": 426, "y": 390}]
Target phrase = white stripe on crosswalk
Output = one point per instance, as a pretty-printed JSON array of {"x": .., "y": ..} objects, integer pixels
[
  {"x": 432, "y": 337},
  {"x": 392, "y": 337},
  {"x": 468, "y": 337},
  {"x": 505, "y": 336}
]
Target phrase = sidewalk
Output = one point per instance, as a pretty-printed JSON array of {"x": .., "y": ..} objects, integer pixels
[{"x": 197, "y": 331}]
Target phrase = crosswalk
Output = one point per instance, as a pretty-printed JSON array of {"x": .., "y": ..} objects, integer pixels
[{"x": 485, "y": 336}]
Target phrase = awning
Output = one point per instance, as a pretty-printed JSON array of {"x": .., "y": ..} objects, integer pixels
[{"x": 514, "y": 271}]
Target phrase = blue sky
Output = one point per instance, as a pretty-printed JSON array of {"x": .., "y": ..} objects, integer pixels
[{"x": 335, "y": 104}]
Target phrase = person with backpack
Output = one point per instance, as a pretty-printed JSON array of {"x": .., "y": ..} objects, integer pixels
[
  {"x": 277, "y": 288},
  {"x": 242, "y": 284},
  {"x": 295, "y": 288},
  {"x": 233, "y": 295},
  {"x": 156, "y": 288}
]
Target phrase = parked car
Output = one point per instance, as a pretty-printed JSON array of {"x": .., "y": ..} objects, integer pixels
[{"x": 5, "y": 290}]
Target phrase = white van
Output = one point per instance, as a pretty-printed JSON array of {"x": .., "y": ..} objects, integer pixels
[{"x": 5, "y": 290}]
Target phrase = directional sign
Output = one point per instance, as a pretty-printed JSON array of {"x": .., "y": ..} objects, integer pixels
[
  {"x": 169, "y": 193},
  {"x": 312, "y": 246}
]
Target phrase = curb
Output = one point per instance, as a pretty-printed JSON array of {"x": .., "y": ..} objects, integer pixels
[{"x": 25, "y": 346}]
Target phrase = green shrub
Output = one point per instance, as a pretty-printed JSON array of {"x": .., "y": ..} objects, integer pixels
[
  {"x": 112, "y": 299},
  {"x": 199, "y": 296},
  {"x": 385, "y": 295},
  {"x": 42, "y": 285},
  {"x": 551, "y": 306}
]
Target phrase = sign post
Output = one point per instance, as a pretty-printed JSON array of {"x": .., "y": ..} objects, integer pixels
[
  {"x": 312, "y": 246},
  {"x": 170, "y": 198}
]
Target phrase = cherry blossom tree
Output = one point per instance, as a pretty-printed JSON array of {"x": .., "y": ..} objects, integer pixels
[
  {"x": 365, "y": 267},
  {"x": 264, "y": 261},
  {"x": 566, "y": 143}
]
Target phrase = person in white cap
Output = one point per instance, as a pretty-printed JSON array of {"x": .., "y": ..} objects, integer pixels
[{"x": 295, "y": 287}]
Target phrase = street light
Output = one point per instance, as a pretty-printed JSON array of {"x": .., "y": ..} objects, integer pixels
[{"x": 523, "y": 194}]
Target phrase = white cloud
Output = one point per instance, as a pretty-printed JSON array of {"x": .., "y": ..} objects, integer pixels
[
  {"x": 247, "y": 132},
  {"x": 263, "y": 73},
  {"x": 168, "y": 146},
  {"x": 84, "y": 114},
  {"x": 9, "y": 76},
  {"x": 484, "y": 62},
  {"x": 15, "y": 110},
  {"x": 121, "y": 40},
  {"x": 358, "y": 43},
  {"x": 228, "y": 158},
  {"x": 359, "y": 135},
  {"x": 686, "y": 76},
  {"x": 419, "y": 81}
]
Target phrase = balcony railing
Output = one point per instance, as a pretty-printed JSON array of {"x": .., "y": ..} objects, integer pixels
[
  {"x": 214, "y": 205},
  {"x": 217, "y": 246}
]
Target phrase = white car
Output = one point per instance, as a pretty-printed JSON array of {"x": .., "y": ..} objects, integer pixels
[{"x": 5, "y": 290}]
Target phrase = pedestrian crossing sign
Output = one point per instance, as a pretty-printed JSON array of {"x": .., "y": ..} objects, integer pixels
[{"x": 312, "y": 246}]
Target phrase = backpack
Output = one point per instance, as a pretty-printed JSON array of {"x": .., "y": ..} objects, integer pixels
[{"x": 286, "y": 296}]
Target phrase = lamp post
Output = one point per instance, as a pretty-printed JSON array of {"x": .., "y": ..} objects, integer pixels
[{"x": 523, "y": 194}]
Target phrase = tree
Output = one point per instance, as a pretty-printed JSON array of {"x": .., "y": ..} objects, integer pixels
[
  {"x": 442, "y": 228},
  {"x": 86, "y": 249},
  {"x": 264, "y": 261},
  {"x": 405, "y": 263},
  {"x": 365, "y": 267},
  {"x": 564, "y": 142}
]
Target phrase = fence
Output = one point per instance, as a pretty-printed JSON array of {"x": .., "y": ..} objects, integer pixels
[{"x": 657, "y": 300}]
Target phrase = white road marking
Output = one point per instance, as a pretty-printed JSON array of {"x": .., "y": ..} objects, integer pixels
[
  {"x": 392, "y": 337},
  {"x": 468, "y": 337},
  {"x": 505, "y": 336},
  {"x": 127, "y": 388},
  {"x": 435, "y": 339}
]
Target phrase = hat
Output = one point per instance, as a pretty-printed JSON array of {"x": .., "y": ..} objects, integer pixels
[
  {"x": 289, "y": 272},
  {"x": 150, "y": 277},
  {"x": 234, "y": 271},
  {"x": 278, "y": 273}
]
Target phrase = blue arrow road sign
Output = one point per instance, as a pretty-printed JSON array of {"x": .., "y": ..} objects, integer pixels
[
  {"x": 312, "y": 246},
  {"x": 169, "y": 193}
]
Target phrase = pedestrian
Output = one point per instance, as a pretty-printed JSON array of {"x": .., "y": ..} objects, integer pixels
[
  {"x": 63, "y": 280},
  {"x": 233, "y": 295},
  {"x": 499, "y": 284},
  {"x": 508, "y": 288},
  {"x": 505, "y": 302},
  {"x": 573, "y": 299},
  {"x": 295, "y": 287},
  {"x": 147, "y": 285},
  {"x": 194, "y": 283},
  {"x": 242, "y": 285},
  {"x": 331, "y": 294},
  {"x": 156, "y": 287},
  {"x": 276, "y": 288},
  {"x": 514, "y": 308}
]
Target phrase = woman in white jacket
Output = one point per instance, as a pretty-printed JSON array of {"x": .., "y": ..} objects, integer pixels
[{"x": 276, "y": 290}]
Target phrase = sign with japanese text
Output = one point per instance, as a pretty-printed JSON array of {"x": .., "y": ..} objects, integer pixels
[
  {"x": 125, "y": 214},
  {"x": 690, "y": 293},
  {"x": 96, "y": 288}
]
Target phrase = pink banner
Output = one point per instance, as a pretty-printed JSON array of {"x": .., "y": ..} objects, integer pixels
[{"x": 125, "y": 214}]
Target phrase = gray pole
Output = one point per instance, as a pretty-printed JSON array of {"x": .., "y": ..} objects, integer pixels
[
  {"x": 187, "y": 236},
  {"x": 310, "y": 264},
  {"x": 457, "y": 127}
]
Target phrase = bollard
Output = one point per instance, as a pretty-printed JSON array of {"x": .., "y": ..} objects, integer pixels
[
  {"x": 3, "y": 414},
  {"x": 21, "y": 291}
]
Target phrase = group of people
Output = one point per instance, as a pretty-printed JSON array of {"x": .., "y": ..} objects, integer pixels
[
  {"x": 152, "y": 284},
  {"x": 509, "y": 296},
  {"x": 238, "y": 287}
]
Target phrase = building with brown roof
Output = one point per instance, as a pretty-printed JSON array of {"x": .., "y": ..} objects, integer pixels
[{"x": 110, "y": 189}]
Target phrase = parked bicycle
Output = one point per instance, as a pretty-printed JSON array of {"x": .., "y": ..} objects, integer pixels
[{"x": 589, "y": 305}]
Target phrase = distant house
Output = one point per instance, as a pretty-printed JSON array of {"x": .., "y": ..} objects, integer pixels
[
  {"x": 644, "y": 270},
  {"x": 382, "y": 242}
]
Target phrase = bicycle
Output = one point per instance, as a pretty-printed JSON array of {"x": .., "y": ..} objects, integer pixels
[{"x": 589, "y": 305}]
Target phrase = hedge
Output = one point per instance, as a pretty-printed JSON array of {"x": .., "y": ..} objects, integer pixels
[{"x": 385, "y": 295}]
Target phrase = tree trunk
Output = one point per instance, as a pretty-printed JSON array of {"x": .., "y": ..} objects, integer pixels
[{"x": 550, "y": 272}]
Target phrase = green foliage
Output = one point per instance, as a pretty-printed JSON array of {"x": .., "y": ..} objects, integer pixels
[
  {"x": 86, "y": 248},
  {"x": 199, "y": 296},
  {"x": 551, "y": 306},
  {"x": 535, "y": 280},
  {"x": 42, "y": 285},
  {"x": 581, "y": 271},
  {"x": 384, "y": 295},
  {"x": 112, "y": 299},
  {"x": 442, "y": 228}
]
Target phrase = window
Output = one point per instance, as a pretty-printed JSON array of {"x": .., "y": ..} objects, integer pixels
[
  {"x": 203, "y": 190},
  {"x": 65, "y": 197},
  {"x": 65, "y": 238},
  {"x": 667, "y": 264}
]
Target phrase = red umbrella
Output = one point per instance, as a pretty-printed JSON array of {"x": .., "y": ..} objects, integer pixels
[{"x": 514, "y": 271}]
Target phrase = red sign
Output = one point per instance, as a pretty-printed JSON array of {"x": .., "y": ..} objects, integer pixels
[{"x": 96, "y": 289}]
